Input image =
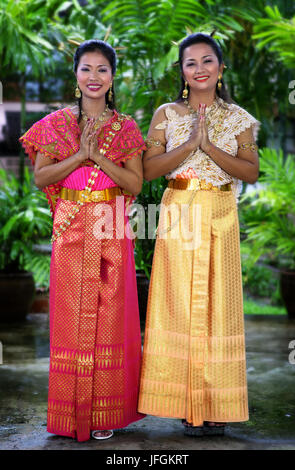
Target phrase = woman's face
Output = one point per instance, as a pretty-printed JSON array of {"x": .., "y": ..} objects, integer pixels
[
  {"x": 200, "y": 67},
  {"x": 94, "y": 74}
]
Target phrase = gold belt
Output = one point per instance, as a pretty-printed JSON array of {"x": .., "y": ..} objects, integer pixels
[
  {"x": 196, "y": 183},
  {"x": 93, "y": 196}
]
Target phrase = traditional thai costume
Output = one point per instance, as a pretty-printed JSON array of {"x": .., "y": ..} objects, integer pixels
[
  {"x": 194, "y": 363},
  {"x": 95, "y": 340}
]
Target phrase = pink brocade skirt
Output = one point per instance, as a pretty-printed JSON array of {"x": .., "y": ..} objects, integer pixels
[{"x": 95, "y": 340}]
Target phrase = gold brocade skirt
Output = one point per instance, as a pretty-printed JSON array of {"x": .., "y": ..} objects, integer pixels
[
  {"x": 194, "y": 364},
  {"x": 95, "y": 340}
]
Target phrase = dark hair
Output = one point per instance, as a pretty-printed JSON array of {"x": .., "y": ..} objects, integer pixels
[
  {"x": 199, "y": 38},
  {"x": 108, "y": 52}
]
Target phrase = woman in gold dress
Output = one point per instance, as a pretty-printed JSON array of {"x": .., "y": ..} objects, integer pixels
[{"x": 194, "y": 365}]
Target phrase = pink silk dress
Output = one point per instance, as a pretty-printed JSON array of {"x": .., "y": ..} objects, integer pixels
[{"x": 95, "y": 340}]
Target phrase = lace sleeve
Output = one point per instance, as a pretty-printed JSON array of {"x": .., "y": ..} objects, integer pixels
[
  {"x": 242, "y": 120},
  {"x": 162, "y": 125}
]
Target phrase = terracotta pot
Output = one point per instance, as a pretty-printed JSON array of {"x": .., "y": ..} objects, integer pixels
[
  {"x": 17, "y": 292},
  {"x": 142, "y": 292},
  {"x": 40, "y": 303},
  {"x": 287, "y": 287}
]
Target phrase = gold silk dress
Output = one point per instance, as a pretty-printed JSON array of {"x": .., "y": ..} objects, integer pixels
[{"x": 194, "y": 364}]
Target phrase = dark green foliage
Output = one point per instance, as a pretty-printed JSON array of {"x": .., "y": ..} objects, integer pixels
[
  {"x": 268, "y": 217},
  {"x": 24, "y": 220}
]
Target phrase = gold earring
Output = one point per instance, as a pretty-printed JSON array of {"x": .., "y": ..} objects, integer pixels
[
  {"x": 78, "y": 93},
  {"x": 185, "y": 91},
  {"x": 219, "y": 83},
  {"x": 110, "y": 96}
]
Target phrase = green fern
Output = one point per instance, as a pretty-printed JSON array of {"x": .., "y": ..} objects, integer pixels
[
  {"x": 270, "y": 219},
  {"x": 278, "y": 34},
  {"x": 39, "y": 265}
]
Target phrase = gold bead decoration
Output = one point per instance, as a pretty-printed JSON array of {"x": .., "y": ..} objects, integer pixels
[{"x": 116, "y": 126}]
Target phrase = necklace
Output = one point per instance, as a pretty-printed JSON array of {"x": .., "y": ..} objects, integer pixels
[
  {"x": 190, "y": 108},
  {"x": 100, "y": 118},
  {"x": 214, "y": 118},
  {"x": 194, "y": 111}
]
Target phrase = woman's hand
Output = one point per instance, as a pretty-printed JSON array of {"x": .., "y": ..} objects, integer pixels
[
  {"x": 195, "y": 137},
  {"x": 94, "y": 152},
  {"x": 86, "y": 136},
  {"x": 205, "y": 142},
  {"x": 199, "y": 135}
]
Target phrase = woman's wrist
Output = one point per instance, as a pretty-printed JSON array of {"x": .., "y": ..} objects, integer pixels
[
  {"x": 207, "y": 148},
  {"x": 98, "y": 158},
  {"x": 80, "y": 156},
  {"x": 189, "y": 146}
]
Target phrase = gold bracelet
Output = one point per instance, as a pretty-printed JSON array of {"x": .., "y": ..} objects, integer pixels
[
  {"x": 251, "y": 145},
  {"x": 150, "y": 142}
]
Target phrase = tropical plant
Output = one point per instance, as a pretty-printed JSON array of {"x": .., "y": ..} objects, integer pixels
[
  {"x": 148, "y": 77},
  {"x": 38, "y": 263},
  {"x": 151, "y": 47},
  {"x": 260, "y": 281},
  {"x": 269, "y": 211},
  {"x": 278, "y": 33},
  {"x": 151, "y": 194},
  {"x": 29, "y": 34},
  {"x": 24, "y": 221}
]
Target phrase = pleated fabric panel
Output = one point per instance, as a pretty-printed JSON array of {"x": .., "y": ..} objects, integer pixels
[{"x": 194, "y": 364}]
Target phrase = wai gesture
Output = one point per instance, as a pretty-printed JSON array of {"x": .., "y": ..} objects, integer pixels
[{"x": 199, "y": 137}]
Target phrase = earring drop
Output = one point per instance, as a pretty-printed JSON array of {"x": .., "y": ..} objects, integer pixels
[
  {"x": 78, "y": 93},
  {"x": 185, "y": 91},
  {"x": 219, "y": 83},
  {"x": 110, "y": 95}
]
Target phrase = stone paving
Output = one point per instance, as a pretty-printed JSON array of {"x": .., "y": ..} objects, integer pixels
[{"x": 271, "y": 385}]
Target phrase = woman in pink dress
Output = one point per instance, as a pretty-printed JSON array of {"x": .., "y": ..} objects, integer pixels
[{"x": 87, "y": 160}]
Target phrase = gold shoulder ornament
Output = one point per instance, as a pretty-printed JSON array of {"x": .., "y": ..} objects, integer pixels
[
  {"x": 249, "y": 145},
  {"x": 151, "y": 142}
]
